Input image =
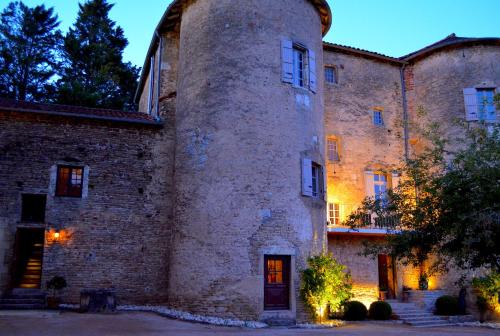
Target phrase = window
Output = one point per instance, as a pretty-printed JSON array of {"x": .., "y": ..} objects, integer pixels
[
  {"x": 69, "y": 181},
  {"x": 486, "y": 104},
  {"x": 298, "y": 65},
  {"x": 312, "y": 179},
  {"x": 33, "y": 208},
  {"x": 380, "y": 186},
  {"x": 377, "y": 118},
  {"x": 334, "y": 213},
  {"x": 332, "y": 150},
  {"x": 331, "y": 76}
]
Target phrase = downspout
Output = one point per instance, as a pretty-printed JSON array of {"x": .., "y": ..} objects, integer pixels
[
  {"x": 158, "y": 83},
  {"x": 405, "y": 111}
]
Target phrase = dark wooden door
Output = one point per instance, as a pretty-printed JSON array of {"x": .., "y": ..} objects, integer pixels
[
  {"x": 386, "y": 279},
  {"x": 276, "y": 282}
]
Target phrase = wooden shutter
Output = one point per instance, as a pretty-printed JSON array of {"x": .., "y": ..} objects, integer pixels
[
  {"x": 395, "y": 180},
  {"x": 471, "y": 107},
  {"x": 323, "y": 183},
  {"x": 312, "y": 71},
  {"x": 287, "y": 61},
  {"x": 369, "y": 187},
  {"x": 307, "y": 187}
]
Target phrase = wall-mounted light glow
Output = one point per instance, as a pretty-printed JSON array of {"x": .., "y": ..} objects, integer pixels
[{"x": 56, "y": 235}]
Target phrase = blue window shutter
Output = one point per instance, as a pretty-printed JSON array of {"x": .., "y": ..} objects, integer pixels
[
  {"x": 287, "y": 61},
  {"x": 471, "y": 107},
  {"x": 307, "y": 181},
  {"x": 312, "y": 71}
]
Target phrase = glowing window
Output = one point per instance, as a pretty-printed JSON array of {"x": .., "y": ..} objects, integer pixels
[
  {"x": 274, "y": 271},
  {"x": 69, "y": 181},
  {"x": 334, "y": 213}
]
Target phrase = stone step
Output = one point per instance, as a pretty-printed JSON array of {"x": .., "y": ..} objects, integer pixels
[
  {"x": 280, "y": 322},
  {"x": 423, "y": 319},
  {"x": 415, "y": 315},
  {"x": 433, "y": 324}
]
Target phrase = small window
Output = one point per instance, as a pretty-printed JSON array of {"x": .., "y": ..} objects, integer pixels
[
  {"x": 312, "y": 179},
  {"x": 486, "y": 104},
  {"x": 334, "y": 213},
  {"x": 69, "y": 181},
  {"x": 299, "y": 66},
  {"x": 33, "y": 208},
  {"x": 333, "y": 150},
  {"x": 378, "y": 118},
  {"x": 331, "y": 75}
]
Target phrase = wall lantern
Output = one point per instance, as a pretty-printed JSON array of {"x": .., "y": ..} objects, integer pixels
[{"x": 56, "y": 235}]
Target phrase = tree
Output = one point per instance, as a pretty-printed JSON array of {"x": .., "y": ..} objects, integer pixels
[
  {"x": 29, "y": 40},
  {"x": 324, "y": 283},
  {"x": 93, "y": 72},
  {"x": 448, "y": 204}
]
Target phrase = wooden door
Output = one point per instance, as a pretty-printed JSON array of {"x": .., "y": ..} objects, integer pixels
[
  {"x": 276, "y": 282},
  {"x": 386, "y": 278}
]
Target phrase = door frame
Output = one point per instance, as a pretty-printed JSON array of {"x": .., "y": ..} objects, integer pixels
[
  {"x": 286, "y": 276},
  {"x": 14, "y": 268}
]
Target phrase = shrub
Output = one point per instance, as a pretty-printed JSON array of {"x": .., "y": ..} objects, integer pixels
[
  {"x": 355, "y": 311},
  {"x": 380, "y": 310},
  {"x": 487, "y": 291},
  {"x": 447, "y": 305},
  {"x": 325, "y": 283}
]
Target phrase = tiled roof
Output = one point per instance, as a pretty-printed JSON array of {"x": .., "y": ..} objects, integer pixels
[
  {"x": 449, "y": 40},
  {"x": 364, "y": 52},
  {"x": 76, "y": 111}
]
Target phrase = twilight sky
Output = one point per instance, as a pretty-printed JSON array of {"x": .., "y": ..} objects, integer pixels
[{"x": 391, "y": 27}]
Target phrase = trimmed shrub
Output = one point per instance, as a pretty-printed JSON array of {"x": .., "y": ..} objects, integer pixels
[
  {"x": 380, "y": 310},
  {"x": 447, "y": 305},
  {"x": 355, "y": 311}
]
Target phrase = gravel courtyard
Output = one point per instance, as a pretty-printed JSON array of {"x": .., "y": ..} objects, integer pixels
[{"x": 51, "y": 323}]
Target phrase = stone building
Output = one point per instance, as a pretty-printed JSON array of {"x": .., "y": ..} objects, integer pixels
[{"x": 253, "y": 140}]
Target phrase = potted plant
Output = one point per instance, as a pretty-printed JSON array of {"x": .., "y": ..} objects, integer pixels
[
  {"x": 423, "y": 282},
  {"x": 406, "y": 294},
  {"x": 55, "y": 285}
]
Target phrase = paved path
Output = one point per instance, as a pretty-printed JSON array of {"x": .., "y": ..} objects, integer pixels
[{"x": 147, "y": 324}]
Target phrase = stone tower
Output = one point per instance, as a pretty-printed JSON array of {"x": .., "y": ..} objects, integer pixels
[{"x": 249, "y": 198}]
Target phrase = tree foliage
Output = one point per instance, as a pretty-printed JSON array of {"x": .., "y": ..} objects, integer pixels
[
  {"x": 325, "y": 283},
  {"x": 29, "y": 41},
  {"x": 447, "y": 205},
  {"x": 93, "y": 72}
]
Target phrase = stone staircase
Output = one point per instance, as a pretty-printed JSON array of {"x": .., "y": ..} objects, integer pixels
[
  {"x": 416, "y": 316},
  {"x": 32, "y": 274},
  {"x": 23, "y": 298}
]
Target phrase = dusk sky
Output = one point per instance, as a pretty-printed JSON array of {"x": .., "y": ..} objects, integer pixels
[{"x": 391, "y": 27}]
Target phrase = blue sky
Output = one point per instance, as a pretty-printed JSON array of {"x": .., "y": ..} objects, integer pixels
[{"x": 391, "y": 27}]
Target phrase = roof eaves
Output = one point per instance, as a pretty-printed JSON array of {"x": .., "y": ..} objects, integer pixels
[
  {"x": 84, "y": 116},
  {"x": 363, "y": 52}
]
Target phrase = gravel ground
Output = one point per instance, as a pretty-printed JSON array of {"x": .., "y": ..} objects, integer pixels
[{"x": 35, "y": 323}]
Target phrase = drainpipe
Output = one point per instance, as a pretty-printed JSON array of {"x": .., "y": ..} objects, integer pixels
[
  {"x": 158, "y": 83},
  {"x": 405, "y": 110}
]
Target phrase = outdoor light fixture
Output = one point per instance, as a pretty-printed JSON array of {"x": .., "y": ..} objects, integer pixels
[{"x": 56, "y": 235}]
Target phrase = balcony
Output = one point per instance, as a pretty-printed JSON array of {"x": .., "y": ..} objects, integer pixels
[{"x": 369, "y": 224}]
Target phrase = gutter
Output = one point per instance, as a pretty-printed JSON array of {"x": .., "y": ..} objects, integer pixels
[
  {"x": 158, "y": 83},
  {"x": 405, "y": 111},
  {"x": 85, "y": 116}
]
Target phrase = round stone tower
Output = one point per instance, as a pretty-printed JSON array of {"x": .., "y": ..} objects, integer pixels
[{"x": 249, "y": 205}]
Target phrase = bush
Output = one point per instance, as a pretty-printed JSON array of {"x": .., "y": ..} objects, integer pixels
[
  {"x": 325, "y": 283},
  {"x": 447, "y": 305},
  {"x": 380, "y": 310},
  {"x": 355, "y": 311}
]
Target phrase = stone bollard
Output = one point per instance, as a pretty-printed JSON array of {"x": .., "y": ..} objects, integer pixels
[{"x": 97, "y": 301}]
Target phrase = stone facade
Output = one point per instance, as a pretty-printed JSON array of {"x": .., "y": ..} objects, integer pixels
[{"x": 182, "y": 209}]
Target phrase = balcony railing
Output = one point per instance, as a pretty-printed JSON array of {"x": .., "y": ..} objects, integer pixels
[{"x": 367, "y": 221}]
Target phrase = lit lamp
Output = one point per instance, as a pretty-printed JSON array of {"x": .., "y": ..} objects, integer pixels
[{"x": 56, "y": 235}]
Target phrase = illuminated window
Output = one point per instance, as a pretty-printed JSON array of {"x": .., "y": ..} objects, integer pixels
[
  {"x": 299, "y": 66},
  {"x": 331, "y": 76},
  {"x": 333, "y": 150},
  {"x": 378, "y": 118},
  {"x": 334, "y": 213},
  {"x": 69, "y": 181},
  {"x": 274, "y": 271},
  {"x": 380, "y": 186}
]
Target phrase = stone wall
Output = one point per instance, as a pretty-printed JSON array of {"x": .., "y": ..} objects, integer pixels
[
  {"x": 363, "y": 85},
  {"x": 116, "y": 237}
]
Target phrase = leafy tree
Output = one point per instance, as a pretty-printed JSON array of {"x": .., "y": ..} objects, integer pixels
[
  {"x": 324, "y": 283},
  {"x": 94, "y": 73},
  {"x": 29, "y": 40},
  {"x": 447, "y": 205}
]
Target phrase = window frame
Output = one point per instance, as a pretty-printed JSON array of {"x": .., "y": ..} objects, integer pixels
[
  {"x": 334, "y": 213},
  {"x": 57, "y": 192},
  {"x": 484, "y": 104},
  {"x": 333, "y": 152},
  {"x": 378, "y": 121},
  {"x": 377, "y": 182},
  {"x": 335, "y": 75},
  {"x": 300, "y": 81}
]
